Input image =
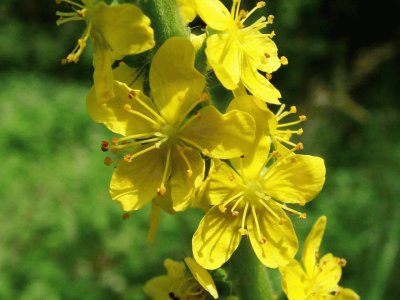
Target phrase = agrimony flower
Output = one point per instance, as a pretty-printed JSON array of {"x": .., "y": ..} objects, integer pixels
[
  {"x": 163, "y": 143},
  {"x": 115, "y": 31},
  {"x": 236, "y": 51},
  {"x": 178, "y": 284},
  {"x": 250, "y": 199},
  {"x": 313, "y": 278}
]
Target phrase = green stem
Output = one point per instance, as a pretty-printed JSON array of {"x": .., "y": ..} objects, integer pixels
[
  {"x": 165, "y": 20},
  {"x": 249, "y": 275}
]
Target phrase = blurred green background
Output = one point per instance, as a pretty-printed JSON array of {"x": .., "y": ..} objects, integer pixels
[{"x": 61, "y": 237}]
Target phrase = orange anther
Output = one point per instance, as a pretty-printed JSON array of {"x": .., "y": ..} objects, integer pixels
[
  {"x": 108, "y": 161},
  {"x": 132, "y": 94},
  {"x": 125, "y": 216},
  {"x": 104, "y": 146},
  {"x": 161, "y": 190}
]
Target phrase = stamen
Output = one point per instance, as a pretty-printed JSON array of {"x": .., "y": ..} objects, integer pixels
[
  {"x": 270, "y": 19},
  {"x": 133, "y": 95},
  {"x": 233, "y": 211},
  {"x": 181, "y": 150},
  {"x": 204, "y": 151},
  {"x": 259, "y": 5},
  {"x": 132, "y": 144},
  {"x": 284, "y": 60},
  {"x": 268, "y": 76},
  {"x": 128, "y": 108},
  {"x": 74, "y": 56},
  {"x": 222, "y": 207},
  {"x": 130, "y": 157},
  {"x": 262, "y": 239},
  {"x": 242, "y": 229},
  {"x": 125, "y": 216},
  {"x": 115, "y": 141},
  {"x": 281, "y": 109},
  {"x": 300, "y": 120},
  {"x": 302, "y": 216},
  {"x": 162, "y": 189},
  {"x": 264, "y": 202}
]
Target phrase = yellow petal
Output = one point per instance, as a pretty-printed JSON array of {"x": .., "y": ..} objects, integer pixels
[
  {"x": 216, "y": 238},
  {"x": 329, "y": 273},
  {"x": 214, "y": 14},
  {"x": 224, "y": 56},
  {"x": 262, "y": 50},
  {"x": 295, "y": 179},
  {"x": 185, "y": 179},
  {"x": 222, "y": 135},
  {"x": 295, "y": 282},
  {"x": 187, "y": 10},
  {"x": 102, "y": 75},
  {"x": 125, "y": 28},
  {"x": 257, "y": 84},
  {"x": 255, "y": 160},
  {"x": 202, "y": 276},
  {"x": 278, "y": 243},
  {"x": 135, "y": 184},
  {"x": 175, "y": 269},
  {"x": 131, "y": 77},
  {"x": 311, "y": 246},
  {"x": 175, "y": 84},
  {"x": 115, "y": 117},
  {"x": 221, "y": 184},
  {"x": 346, "y": 294},
  {"x": 158, "y": 288}
]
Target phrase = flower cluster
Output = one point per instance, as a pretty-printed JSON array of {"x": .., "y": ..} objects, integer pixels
[{"x": 175, "y": 150}]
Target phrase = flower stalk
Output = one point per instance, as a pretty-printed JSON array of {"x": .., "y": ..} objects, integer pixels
[{"x": 250, "y": 277}]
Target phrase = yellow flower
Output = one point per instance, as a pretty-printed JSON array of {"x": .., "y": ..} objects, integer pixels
[
  {"x": 115, "y": 31},
  {"x": 314, "y": 279},
  {"x": 249, "y": 199},
  {"x": 236, "y": 52},
  {"x": 162, "y": 142},
  {"x": 179, "y": 285}
]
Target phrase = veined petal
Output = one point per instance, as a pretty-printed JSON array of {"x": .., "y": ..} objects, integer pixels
[
  {"x": 125, "y": 28},
  {"x": 102, "y": 75},
  {"x": 216, "y": 238},
  {"x": 295, "y": 283},
  {"x": 311, "y": 246},
  {"x": 175, "y": 84},
  {"x": 202, "y": 276},
  {"x": 329, "y": 273},
  {"x": 135, "y": 184},
  {"x": 257, "y": 84},
  {"x": 214, "y": 14},
  {"x": 185, "y": 178},
  {"x": 224, "y": 56},
  {"x": 175, "y": 269},
  {"x": 130, "y": 76},
  {"x": 262, "y": 50},
  {"x": 221, "y": 184},
  {"x": 255, "y": 160},
  {"x": 115, "y": 117},
  {"x": 158, "y": 287},
  {"x": 295, "y": 179},
  {"x": 224, "y": 136},
  {"x": 280, "y": 244}
]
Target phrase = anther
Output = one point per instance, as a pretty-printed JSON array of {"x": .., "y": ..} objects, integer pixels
[
  {"x": 114, "y": 141},
  {"x": 284, "y": 60},
  {"x": 293, "y": 109},
  {"x": 222, "y": 208},
  {"x": 300, "y": 131},
  {"x": 235, "y": 213},
  {"x": 342, "y": 262},
  {"x": 299, "y": 146},
  {"x": 303, "y": 216},
  {"x": 64, "y": 61},
  {"x": 302, "y": 203},
  {"x": 108, "y": 161},
  {"x": 270, "y": 19},
  {"x": 203, "y": 97},
  {"x": 243, "y": 231},
  {"x": 205, "y": 152},
  {"x": 128, "y": 158},
  {"x": 268, "y": 76},
  {"x": 161, "y": 190},
  {"x": 262, "y": 241},
  {"x": 132, "y": 94},
  {"x": 282, "y": 221},
  {"x": 272, "y": 34},
  {"x": 104, "y": 146},
  {"x": 302, "y": 118},
  {"x": 127, "y": 107},
  {"x": 261, "y": 4},
  {"x": 275, "y": 153},
  {"x": 231, "y": 177},
  {"x": 189, "y": 173},
  {"x": 125, "y": 216}
]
